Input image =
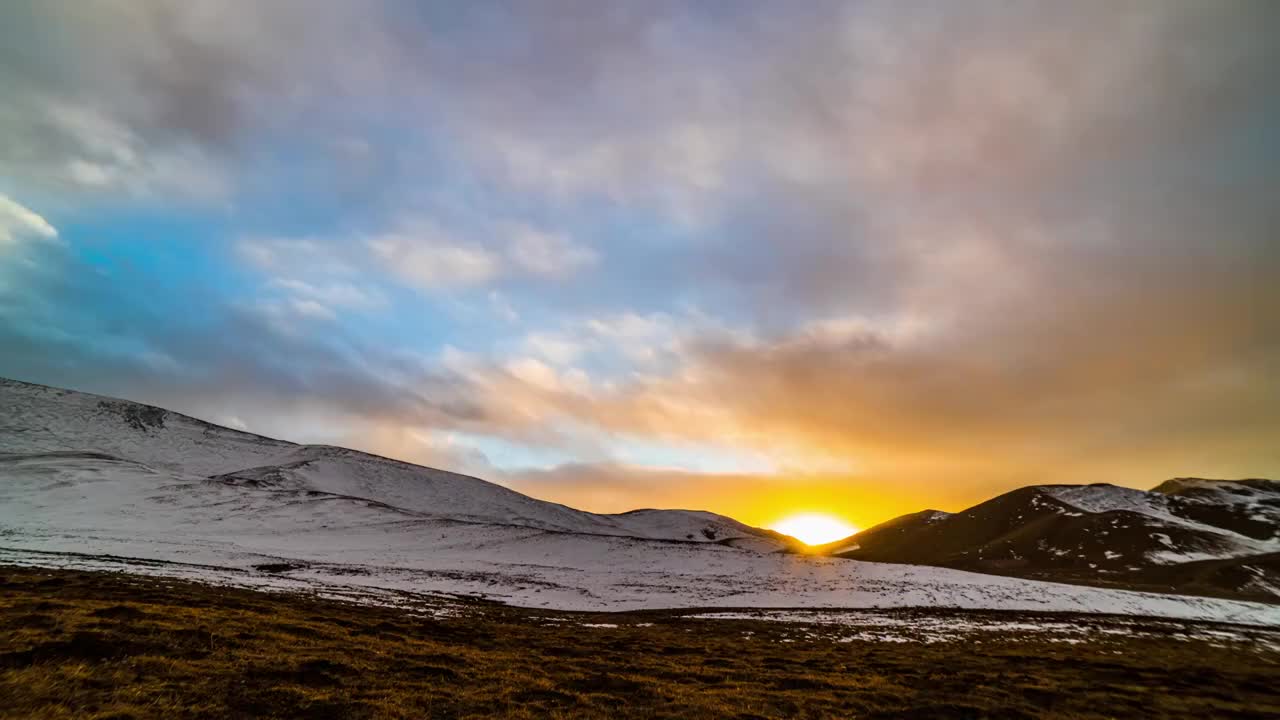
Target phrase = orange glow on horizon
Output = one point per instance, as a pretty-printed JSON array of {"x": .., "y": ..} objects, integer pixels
[
  {"x": 814, "y": 528},
  {"x": 756, "y": 500}
]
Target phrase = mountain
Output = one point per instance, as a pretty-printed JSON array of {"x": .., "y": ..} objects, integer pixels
[
  {"x": 99, "y": 483},
  {"x": 1190, "y": 535},
  {"x": 114, "y": 437}
]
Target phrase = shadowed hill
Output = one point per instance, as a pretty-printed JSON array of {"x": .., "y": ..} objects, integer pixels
[{"x": 1191, "y": 535}]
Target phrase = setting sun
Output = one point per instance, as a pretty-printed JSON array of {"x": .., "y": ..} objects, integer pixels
[{"x": 814, "y": 528}]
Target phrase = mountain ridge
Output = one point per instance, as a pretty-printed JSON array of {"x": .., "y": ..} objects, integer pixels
[
  {"x": 261, "y": 460},
  {"x": 1163, "y": 539}
]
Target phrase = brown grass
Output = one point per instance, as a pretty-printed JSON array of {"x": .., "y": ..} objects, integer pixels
[{"x": 97, "y": 645}]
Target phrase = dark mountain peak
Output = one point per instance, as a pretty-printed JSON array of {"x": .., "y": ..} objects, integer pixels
[{"x": 1187, "y": 535}]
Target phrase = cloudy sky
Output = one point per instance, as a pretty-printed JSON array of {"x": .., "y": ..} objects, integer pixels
[{"x": 753, "y": 257}]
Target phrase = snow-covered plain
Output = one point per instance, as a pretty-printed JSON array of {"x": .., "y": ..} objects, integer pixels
[{"x": 92, "y": 482}]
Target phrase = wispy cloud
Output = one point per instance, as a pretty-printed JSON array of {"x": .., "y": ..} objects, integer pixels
[
  {"x": 428, "y": 257},
  {"x": 545, "y": 253},
  {"x": 17, "y": 222}
]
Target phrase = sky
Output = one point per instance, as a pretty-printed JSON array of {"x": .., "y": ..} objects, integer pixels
[{"x": 859, "y": 258}]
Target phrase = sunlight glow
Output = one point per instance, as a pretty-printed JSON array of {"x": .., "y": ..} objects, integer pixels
[{"x": 814, "y": 528}]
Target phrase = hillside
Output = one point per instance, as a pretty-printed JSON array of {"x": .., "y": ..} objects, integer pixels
[
  {"x": 1189, "y": 535},
  {"x": 132, "y": 439}
]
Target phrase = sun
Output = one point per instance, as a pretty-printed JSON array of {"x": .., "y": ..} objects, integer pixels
[{"x": 814, "y": 528}]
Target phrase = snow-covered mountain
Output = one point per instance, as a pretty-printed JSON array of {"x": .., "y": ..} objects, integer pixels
[
  {"x": 141, "y": 440},
  {"x": 1191, "y": 535},
  {"x": 87, "y": 481}
]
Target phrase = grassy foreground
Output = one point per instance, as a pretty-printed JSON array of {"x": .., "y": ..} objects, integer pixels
[{"x": 101, "y": 645}]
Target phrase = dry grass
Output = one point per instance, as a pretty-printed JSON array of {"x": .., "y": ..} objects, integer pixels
[{"x": 93, "y": 645}]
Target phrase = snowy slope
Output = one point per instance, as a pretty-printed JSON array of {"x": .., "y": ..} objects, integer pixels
[
  {"x": 91, "y": 482},
  {"x": 42, "y": 419},
  {"x": 1197, "y": 536},
  {"x": 1216, "y": 519}
]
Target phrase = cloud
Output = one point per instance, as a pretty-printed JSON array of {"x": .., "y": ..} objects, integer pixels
[
  {"x": 429, "y": 258},
  {"x": 984, "y": 244},
  {"x": 303, "y": 255},
  {"x": 548, "y": 254},
  {"x": 534, "y": 373},
  {"x": 103, "y": 154},
  {"x": 17, "y": 222},
  {"x": 311, "y": 308},
  {"x": 87, "y": 111},
  {"x": 557, "y": 349},
  {"x": 308, "y": 279},
  {"x": 67, "y": 321},
  {"x": 324, "y": 298}
]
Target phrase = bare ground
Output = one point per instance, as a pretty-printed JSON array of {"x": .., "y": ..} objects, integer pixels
[{"x": 102, "y": 645}]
